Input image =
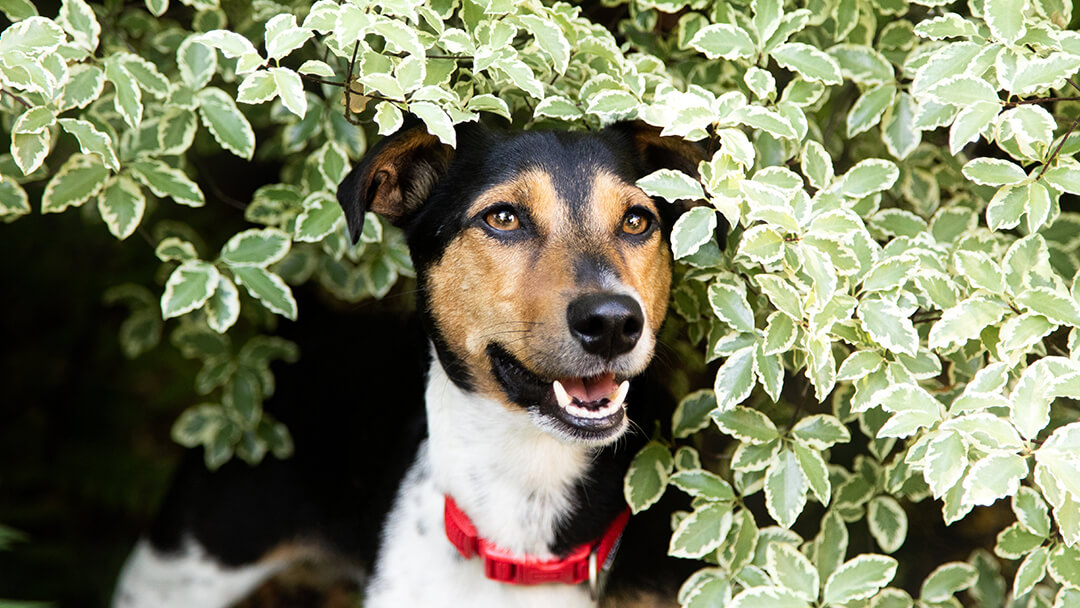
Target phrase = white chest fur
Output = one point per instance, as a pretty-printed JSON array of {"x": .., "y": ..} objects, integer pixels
[{"x": 512, "y": 479}]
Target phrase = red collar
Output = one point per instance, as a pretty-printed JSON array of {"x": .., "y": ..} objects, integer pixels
[{"x": 503, "y": 566}]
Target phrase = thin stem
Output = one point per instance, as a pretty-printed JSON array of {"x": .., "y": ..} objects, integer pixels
[
  {"x": 22, "y": 101},
  {"x": 1048, "y": 99},
  {"x": 1061, "y": 144},
  {"x": 348, "y": 81}
]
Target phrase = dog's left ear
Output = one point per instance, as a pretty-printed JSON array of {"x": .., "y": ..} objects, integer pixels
[
  {"x": 394, "y": 178},
  {"x": 655, "y": 152}
]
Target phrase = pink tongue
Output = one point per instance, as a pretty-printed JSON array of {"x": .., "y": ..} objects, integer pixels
[{"x": 591, "y": 389}]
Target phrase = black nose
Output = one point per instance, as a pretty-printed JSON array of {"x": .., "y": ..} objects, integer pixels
[{"x": 605, "y": 324}]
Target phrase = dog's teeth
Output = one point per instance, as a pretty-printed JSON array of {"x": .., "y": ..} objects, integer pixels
[
  {"x": 560, "y": 394},
  {"x": 620, "y": 395}
]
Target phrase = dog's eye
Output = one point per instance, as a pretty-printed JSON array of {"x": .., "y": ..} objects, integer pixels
[
  {"x": 503, "y": 219},
  {"x": 635, "y": 222}
]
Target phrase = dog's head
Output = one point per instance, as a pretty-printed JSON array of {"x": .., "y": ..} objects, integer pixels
[{"x": 543, "y": 270}]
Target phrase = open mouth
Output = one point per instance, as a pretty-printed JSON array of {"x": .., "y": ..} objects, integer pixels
[{"x": 589, "y": 408}]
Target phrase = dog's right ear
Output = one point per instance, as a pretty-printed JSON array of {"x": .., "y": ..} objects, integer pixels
[{"x": 394, "y": 178}]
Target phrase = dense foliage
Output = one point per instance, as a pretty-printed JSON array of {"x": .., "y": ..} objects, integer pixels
[{"x": 896, "y": 319}]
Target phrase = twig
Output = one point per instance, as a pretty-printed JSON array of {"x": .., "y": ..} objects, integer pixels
[
  {"x": 22, "y": 101},
  {"x": 348, "y": 80},
  {"x": 1031, "y": 101},
  {"x": 1061, "y": 144}
]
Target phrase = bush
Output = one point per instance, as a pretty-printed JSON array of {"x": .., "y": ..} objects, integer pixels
[{"x": 896, "y": 313}]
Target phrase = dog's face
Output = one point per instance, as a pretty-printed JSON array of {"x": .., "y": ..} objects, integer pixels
[{"x": 544, "y": 270}]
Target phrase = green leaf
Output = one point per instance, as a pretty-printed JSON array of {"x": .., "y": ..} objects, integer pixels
[
  {"x": 762, "y": 244},
  {"x": 128, "y": 102},
  {"x": 1005, "y": 18},
  {"x": 766, "y": 597},
  {"x": 437, "y": 121},
  {"x": 782, "y": 295},
  {"x": 321, "y": 216},
  {"x": 80, "y": 178},
  {"x": 692, "y": 230},
  {"x": 255, "y": 247},
  {"x": 175, "y": 249},
  {"x": 283, "y": 37},
  {"x": 555, "y": 106},
  {"x": 815, "y": 472},
  {"x": 1031, "y": 511},
  {"x": 859, "y": 578},
  {"x": 188, "y": 288},
  {"x": 831, "y": 544},
  {"x": 785, "y": 489},
  {"x": 257, "y": 87},
  {"x": 165, "y": 181},
  {"x": 862, "y": 64},
  {"x": 223, "y": 308},
  {"x": 30, "y": 149},
  {"x": 791, "y": 570},
  {"x": 808, "y": 62},
  {"x": 121, "y": 205},
  {"x": 735, "y": 378},
  {"x": 291, "y": 90},
  {"x": 993, "y": 172},
  {"x": 13, "y": 200},
  {"x": 225, "y": 122},
  {"x": 1064, "y": 177},
  {"x": 869, "y": 108},
  {"x": 692, "y": 413},
  {"x": 746, "y": 425},
  {"x": 268, "y": 288},
  {"x": 198, "y": 425},
  {"x": 817, "y": 165},
  {"x": 388, "y": 117},
  {"x": 729, "y": 305},
  {"x": 701, "y": 532},
  {"x": 672, "y": 186},
  {"x": 723, "y": 41},
  {"x": 888, "y": 523},
  {"x": 1053, "y": 305},
  {"x": 970, "y": 122},
  {"x": 994, "y": 476},
  {"x": 965, "y": 321},
  {"x": 1029, "y": 407},
  {"x": 550, "y": 38},
  {"x": 820, "y": 431},
  {"x": 647, "y": 477},
  {"x": 770, "y": 121},
  {"x": 767, "y": 17},
  {"x": 176, "y": 130},
  {"x": 780, "y": 334},
  {"x": 869, "y": 176},
  {"x": 196, "y": 62},
  {"x": 17, "y": 10},
  {"x": 949, "y": 25},
  {"x": 92, "y": 141},
  {"x": 964, "y": 91},
  {"x": 700, "y": 483},
  {"x": 1031, "y": 571},
  {"x": 34, "y": 120},
  {"x": 898, "y": 129},
  {"x": 947, "y": 580},
  {"x": 1014, "y": 541},
  {"x": 888, "y": 326},
  {"x": 84, "y": 86},
  {"x": 146, "y": 75}
]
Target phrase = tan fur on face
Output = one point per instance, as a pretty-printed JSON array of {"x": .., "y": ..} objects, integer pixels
[{"x": 516, "y": 292}]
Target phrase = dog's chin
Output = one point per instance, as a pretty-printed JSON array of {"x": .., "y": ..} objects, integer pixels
[{"x": 589, "y": 409}]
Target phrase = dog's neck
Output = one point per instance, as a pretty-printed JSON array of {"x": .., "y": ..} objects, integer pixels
[{"x": 514, "y": 481}]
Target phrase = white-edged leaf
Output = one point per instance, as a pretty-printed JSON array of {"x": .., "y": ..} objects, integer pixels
[
  {"x": 225, "y": 122},
  {"x": 946, "y": 580},
  {"x": 723, "y": 40},
  {"x": 165, "y": 181},
  {"x": 79, "y": 178},
  {"x": 888, "y": 522},
  {"x": 888, "y": 326},
  {"x": 121, "y": 205},
  {"x": 692, "y": 230},
  {"x": 859, "y": 578},
  {"x": 785, "y": 489},
  {"x": 807, "y": 61},
  {"x": 792, "y": 570},
  {"x": 188, "y": 288},
  {"x": 268, "y": 288},
  {"x": 254, "y": 247},
  {"x": 291, "y": 90},
  {"x": 671, "y": 185},
  {"x": 647, "y": 477},
  {"x": 92, "y": 141},
  {"x": 994, "y": 476},
  {"x": 735, "y": 378},
  {"x": 223, "y": 308},
  {"x": 701, "y": 532}
]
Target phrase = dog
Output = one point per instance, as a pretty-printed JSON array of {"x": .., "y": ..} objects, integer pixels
[{"x": 489, "y": 470}]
